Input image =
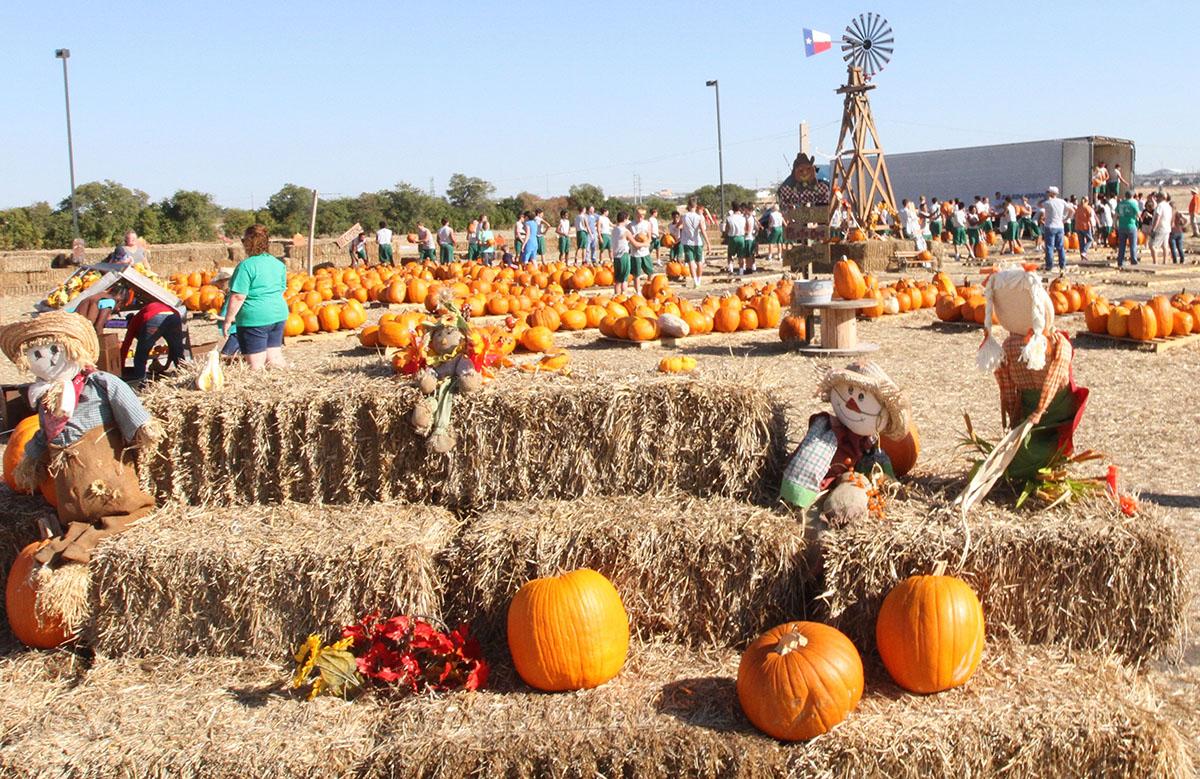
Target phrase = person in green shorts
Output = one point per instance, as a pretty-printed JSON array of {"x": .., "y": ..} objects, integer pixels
[
  {"x": 604, "y": 227},
  {"x": 775, "y": 226},
  {"x": 473, "y": 241},
  {"x": 935, "y": 218},
  {"x": 539, "y": 216},
  {"x": 519, "y": 237},
  {"x": 445, "y": 237},
  {"x": 675, "y": 230},
  {"x": 581, "y": 234},
  {"x": 426, "y": 243},
  {"x": 564, "y": 235},
  {"x": 693, "y": 239},
  {"x": 383, "y": 237},
  {"x": 622, "y": 239},
  {"x": 641, "y": 263},
  {"x": 958, "y": 223},
  {"x": 735, "y": 237},
  {"x": 655, "y": 233}
]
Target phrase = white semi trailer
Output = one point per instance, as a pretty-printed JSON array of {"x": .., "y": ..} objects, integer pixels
[{"x": 1012, "y": 169}]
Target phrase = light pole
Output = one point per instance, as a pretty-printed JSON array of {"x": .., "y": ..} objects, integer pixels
[
  {"x": 720, "y": 152},
  {"x": 64, "y": 55}
]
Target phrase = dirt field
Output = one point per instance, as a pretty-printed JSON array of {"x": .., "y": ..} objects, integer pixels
[{"x": 1143, "y": 409}]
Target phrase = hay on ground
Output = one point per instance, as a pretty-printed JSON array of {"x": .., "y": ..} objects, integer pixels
[
  {"x": 257, "y": 580},
  {"x": 692, "y": 571},
  {"x": 1080, "y": 575},
  {"x": 672, "y": 711},
  {"x": 345, "y": 437}
]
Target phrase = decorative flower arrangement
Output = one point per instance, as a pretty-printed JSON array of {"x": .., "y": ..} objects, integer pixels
[{"x": 401, "y": 655}]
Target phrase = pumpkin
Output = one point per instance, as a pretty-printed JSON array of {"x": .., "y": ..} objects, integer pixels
[
  {"x": 769, "y": 311},
  {"x": 537, "y": 339},
  {"x": 642, "y": 329},
  {"x": 792, "y": 329},
  {"x": 1194, "y": 310},
  {"x": 856, "y": 234},
  {"x": 1161, "y": 306},
  {"x": 848, "y": 281},
  {"x": 748, "y": 319},
  {"x": 1060, "y": 302},
  {"x": 1183, "y": 323},
  {"x": 902, "y": 452},
  {"x": 671, "y": 326},
  {"x": 352, "y": 316},
  {"x": 211, "y": 378},
  {"x": 330, "y": 318},
  {"x": 948, "y": 308},
  {"x": 1118, "y": 322},
  {"x": 20, "y": 599},
  {"x": 677, "y": 364},
  {"x": 1143, "y": 323},
  {"x": 981, "y": 251},
  {"x": 799, "y": 679},
  {"x": 1095, "y": 314},
  {"x": 369, "y": 336},
  {"x": 573, "y": 320},
  {"x": 568, "y": 632},
  {"x": 930, "y": 632},
  {"x": 875, "y": 311},
  {"x": 14, "y": 450},
  {"x": 890, "y": 305},
  {"x": 604, "y": 276},
  {"x": 727, "y": 319},
  {"x": 546, "y": 317}
]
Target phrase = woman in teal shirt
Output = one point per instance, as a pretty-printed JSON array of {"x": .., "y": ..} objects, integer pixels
[{"x": 256, "y": 304}]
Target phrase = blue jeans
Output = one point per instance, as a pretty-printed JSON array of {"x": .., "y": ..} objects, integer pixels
[
  {"x": 1176, "y": 244},
  {"x": 166, "y": 325},
  {"x": 1085, "y": 240},
  {"x": 1054, "y": 242},
  {"x": 1123, "y": 237}
]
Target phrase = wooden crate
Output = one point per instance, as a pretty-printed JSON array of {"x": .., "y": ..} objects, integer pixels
[{"x": 1154, "y": 345}]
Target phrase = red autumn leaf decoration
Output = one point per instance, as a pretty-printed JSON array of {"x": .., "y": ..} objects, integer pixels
[{"x": 409, "y": 653}]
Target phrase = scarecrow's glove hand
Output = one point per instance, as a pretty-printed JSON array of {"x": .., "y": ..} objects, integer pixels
[
  {"x": 148, "y": 434},
  {"x": 846, "y": 502},
  {"x": 30, "y": 473}
]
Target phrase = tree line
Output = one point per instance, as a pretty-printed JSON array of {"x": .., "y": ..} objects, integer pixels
[{"x": 107, "y": 209}]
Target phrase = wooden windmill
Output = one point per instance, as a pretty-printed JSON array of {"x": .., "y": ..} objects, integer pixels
[{"x": 858, "y": 167}]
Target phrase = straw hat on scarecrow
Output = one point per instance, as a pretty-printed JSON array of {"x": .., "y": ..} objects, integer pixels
[
  {"x": 1024, "y": 308},
  {"x": 63, "y": 327}
]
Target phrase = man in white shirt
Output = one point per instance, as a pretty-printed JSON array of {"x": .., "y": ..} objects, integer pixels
[
  {"x": 775, "y": 224},
  {"x": 622, "y": 239},
  {"x": 1008, "y": 226},
  {"x": 1160, "y": 229},
  {"x": 694, "y": 241},
  {"x": 655, "y": 235},
  {"x": 604, "y": 228},
  {"x": 735, "y": 238},
  {"x": 445, "y": 237},
  {"x": 1056, "y": 211},
  {"x": 581, "y": 234},
  {"x": 564, "y": 236},
  {"x": 426, "y": 242},
  {"x": 958, "y": 225},
  {"x": 383, "y": 237},
  {"x": 640, "y": 261}
]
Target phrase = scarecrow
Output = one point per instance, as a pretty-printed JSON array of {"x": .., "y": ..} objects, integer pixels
[
  {"x": 90, "y": 421},
  {"x": 842, "y": 446},
  {"x": 1040, "y": 404},
  {"x": 449, "y": 359}
]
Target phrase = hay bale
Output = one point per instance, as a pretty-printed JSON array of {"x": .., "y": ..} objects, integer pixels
[
  {"x": 210, "y": 717},
  {"x": 257, "y": 580},
  {"x": 343, "y": 436},
  {"x": 692, "y": 571},
  {"x": 1027, "y": 712},
  {"x": 1080, "y": 576}
]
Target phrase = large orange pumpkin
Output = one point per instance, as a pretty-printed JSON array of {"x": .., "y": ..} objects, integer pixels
[
  {"x": 1118, "y": 322},
  {"x": 537, "y": 339},
  {"x": 727, "y": 319},
  {"x": 1164, "y": 313},
  {"x": 573, "y": 319},
  {"x": 903, "y": 452},
  {"x": 545, "y": 317},
  {"x": 748, "y": 319},
  {"x": 799, "y": 679},
  {"x": 1095, "y": 314},
  {"x": 848, "y": 281},
  {"x": 369, "y": 336},
  {"x": 1183, "y": 323},
  {"x": 20, "y": 598},
  {"x": 768, "y": 309},
  {"x": 1143, "y": 323},
  {"x": 568, "y": 632},
  {"x": 14, "y": 450},
  {"x": 930, "y": 632},
  {"x": 642, "y": 329},
  {"x": 948, "y": 307},
  {"x": 792, "y": 329}
]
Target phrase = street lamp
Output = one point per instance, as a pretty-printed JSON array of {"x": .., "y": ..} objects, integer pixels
[
  {"x": 64, "y": 55},
  {"x": 720, "y": 152}
]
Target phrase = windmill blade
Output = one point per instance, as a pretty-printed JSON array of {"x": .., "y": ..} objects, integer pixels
[
  {"x": 883, "y": 42},
  {"x": 873, "y": 21},
  {"x": 877, "y": 62},
  {"x": 859, "y": 27}
]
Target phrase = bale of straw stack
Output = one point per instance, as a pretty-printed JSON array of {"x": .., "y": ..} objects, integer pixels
[
  {"x": 345, "y": 436},
  {"x": 693, "y": 571},
  {"x": 1080, "y": 575},
  {"x": 672, "y": 711},
  {"x": 257, "y": 580}
]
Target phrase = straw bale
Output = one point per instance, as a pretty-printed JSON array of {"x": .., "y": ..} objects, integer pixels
[
  {"x": 345, "y": 436},
  {"x": 257, "y": 580},
  {"x": 1080, "y": 575},
  {"x": 1028, "y": 711},
  {"x": 196, "y": 717},
  {"x": 711, "y": 571}
]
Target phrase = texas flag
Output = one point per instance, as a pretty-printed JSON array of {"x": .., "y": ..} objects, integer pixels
[{"x": 815, "y": 42}]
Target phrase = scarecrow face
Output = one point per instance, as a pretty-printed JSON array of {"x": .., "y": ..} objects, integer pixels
[
  {"x": 857, "y": 409},
  {"x": 49, "y": 362}
]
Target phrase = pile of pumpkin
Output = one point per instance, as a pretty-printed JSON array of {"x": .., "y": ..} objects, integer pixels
[
  {"x": 966, "y": 303},
  {"x": 849, "y": 283},
  {"x": 1160, "y": 317},
  {"x": 794, "y": 682},
  {"x": 757, "y": 306}
]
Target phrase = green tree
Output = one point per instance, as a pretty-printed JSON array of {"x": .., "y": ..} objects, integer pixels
[
  {"x": 234, "y": 221},
  {"x": 153, "y": 227},
  {"x": 334, "y": 216},
  {"x": 710, "y": 196},
  {"x": 106, "y": 210},
  {"x": 469, "y": 193},
  {"x": 193, "y": 216},
  {"x": 290, "y": 209},
  {"x": 585, "y": 195},
  {"x": 18, "y": 231}
]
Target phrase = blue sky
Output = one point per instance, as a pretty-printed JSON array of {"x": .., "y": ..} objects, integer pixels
[{"x": 537, "y": 96}]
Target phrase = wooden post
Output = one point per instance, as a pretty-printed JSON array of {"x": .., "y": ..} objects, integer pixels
[
  {"x": 810, "y": 321},
  {"x": 312, "y": 231}
]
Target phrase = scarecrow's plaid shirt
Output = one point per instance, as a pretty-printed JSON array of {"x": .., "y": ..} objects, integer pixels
[{"x": 1014, "y": 377}]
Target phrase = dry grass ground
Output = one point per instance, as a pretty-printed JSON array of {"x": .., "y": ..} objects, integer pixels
[{"x": 1142, "y": 413}]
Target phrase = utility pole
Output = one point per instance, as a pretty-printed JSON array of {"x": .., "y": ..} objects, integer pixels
[
  {"x": 720, "y": 153},
  {"x": 431, "y": 185},
  {"x": 637, "y": 189},
  {"x": 64, "y": 55},
  {"x": 312, "y": 232}
]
